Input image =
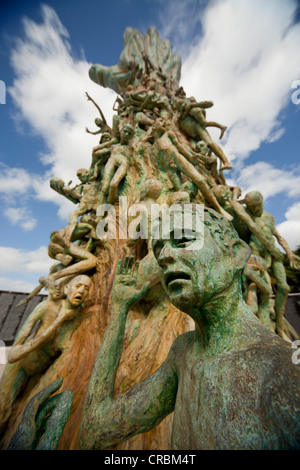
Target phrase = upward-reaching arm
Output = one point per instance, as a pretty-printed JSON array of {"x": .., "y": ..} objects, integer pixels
[{"x": 107, "y": 422}]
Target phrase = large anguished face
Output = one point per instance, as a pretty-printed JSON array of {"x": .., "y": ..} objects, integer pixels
[
  {"x": 192, "y": 277},
  {"x": 77, "y": 290}
]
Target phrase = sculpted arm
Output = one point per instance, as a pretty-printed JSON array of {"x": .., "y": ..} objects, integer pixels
[
  {"x": 26, "y": 329},
  {"x": 294, "y": 259},
  {"x": 107, "y": 421},
  {"x": 254, "y": 228},
  {"x": 21, "y": 350},
  {"x": 87, "y": 260}
]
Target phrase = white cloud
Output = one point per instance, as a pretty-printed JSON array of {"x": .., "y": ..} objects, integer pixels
[
  {"x": 21, "y": 216},
  {"x": 290, "y": 228},
  {"x": 16, "y": 285},
  {"x": 14, "y": 181},
  {"x": 245, "y": 58},
  {"x": 23, "y": 261},
  {"x": 48, "y": 92},
  {"x": 245, "y": 62},
  {"x": 269, "y": 180}
]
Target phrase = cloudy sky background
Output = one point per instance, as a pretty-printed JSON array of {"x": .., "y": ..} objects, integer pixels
[{"x": 244, "y": 55}]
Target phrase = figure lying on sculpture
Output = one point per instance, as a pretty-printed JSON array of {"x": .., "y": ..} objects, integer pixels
[
  {"x": 231, "y": 383},
  {"x": 176, "y": 159}
]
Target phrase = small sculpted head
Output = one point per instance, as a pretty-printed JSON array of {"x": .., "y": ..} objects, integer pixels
[
  {"x": 152, "y": 189},
  {"x": 83, "y": 175},
  {"x": 255, "y": 203},
  {"x": 77, "y": 290},
  {"x": 98, "y": 122},
  {"x": 126, "y": 133},
  {"x": 105, "y": 137},
  {"x": 192, "y": 274},
  {"x": 202, "y": 147},
  {"x": 55, "y": 292}
]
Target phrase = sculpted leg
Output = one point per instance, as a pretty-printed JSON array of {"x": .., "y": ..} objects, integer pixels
[
  {"x": 282, "y": 292},
  {"x": 114, "y": 184}
]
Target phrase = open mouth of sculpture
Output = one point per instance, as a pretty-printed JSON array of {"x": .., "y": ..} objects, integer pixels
[
  {"x": 172, "y": 278},
  {"x": 78, "y": 297}
]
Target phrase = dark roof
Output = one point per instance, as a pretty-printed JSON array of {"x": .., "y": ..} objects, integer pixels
[{"x": 12, "y": 318}]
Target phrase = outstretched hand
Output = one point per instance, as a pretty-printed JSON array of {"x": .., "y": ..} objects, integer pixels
[
  {"x": 43, "y": 420},
  {"x": 125, "y": 292},
  {"x": 295, "y": 261}
]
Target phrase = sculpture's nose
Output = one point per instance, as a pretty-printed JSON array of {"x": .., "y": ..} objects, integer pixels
[{"x": 166, "y": 256}]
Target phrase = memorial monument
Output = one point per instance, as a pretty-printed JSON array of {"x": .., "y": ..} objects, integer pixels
[{"x": 172, "y": 319}]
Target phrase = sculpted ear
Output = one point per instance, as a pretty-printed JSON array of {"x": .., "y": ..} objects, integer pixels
[{"x": 240, "y": 252}]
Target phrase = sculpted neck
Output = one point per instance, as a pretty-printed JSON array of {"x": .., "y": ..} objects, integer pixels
[{"x": 221, "y": 323}]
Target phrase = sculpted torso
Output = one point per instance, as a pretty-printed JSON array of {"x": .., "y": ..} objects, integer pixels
[{"x": 226, "y": 401}]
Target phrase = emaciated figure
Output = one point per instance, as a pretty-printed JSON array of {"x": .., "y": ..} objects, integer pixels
[
  {"x": 37, "y": 344},
  {"x": 117, "y": 165},
  {"x": 230, "y": 382},
  {"x": 262, "y": 243}
]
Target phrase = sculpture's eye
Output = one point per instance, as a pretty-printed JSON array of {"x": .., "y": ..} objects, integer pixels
[
  {"x": 182, "y": 242},
  {"x": 157, "y": 247}
]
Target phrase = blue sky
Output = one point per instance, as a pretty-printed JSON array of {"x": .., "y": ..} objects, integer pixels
[{"x": 243, "y": 55}]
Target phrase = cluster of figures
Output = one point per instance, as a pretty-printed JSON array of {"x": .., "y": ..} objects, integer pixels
[{"x": 158, "y": 149}]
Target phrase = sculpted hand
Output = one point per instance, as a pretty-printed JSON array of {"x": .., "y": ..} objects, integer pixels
[
  {"x": 43, "y": 416},
  {"x": 295, "y": 261},
  {"x": 125, "y": 291}
]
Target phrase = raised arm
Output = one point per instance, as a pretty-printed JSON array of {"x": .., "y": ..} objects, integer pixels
[{"x": 107, "y": 421}]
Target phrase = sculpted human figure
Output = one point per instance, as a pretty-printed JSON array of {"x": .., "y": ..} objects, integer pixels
[
  {"x": 100, "y": 122},
  {"x": 192, "y": 119},
  {"x": 100, "y": 155},
  {"x": 210, "y": 161},
  {"x": 84, "y": 260},
  {"x": 117, "y": 165},
  {"x": 197, "y": 110},
  {"x": 73, "y": 194},
  {"x": 171, "y": 152},
  {"x": 262, "y": 243},
  {"x": 89, "y": 201},
  {"x": 231, "y": 382},
  {"x": 256, "y": 267},
  {"x": 34, "y": 351}
]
